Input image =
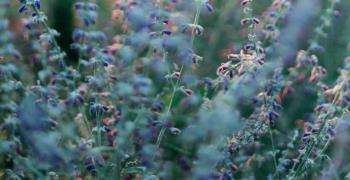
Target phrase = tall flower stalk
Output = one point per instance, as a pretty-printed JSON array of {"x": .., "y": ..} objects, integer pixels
[{"x": 195, "y": 28}]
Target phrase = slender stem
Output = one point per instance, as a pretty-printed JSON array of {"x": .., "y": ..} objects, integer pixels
[
  {"x": 98, "y": 124},
  {"x": 80, "y": 51},
  {"x": 309, "y": 149},
  {"x": 48, "y": 29},
  {"x": 162, "y": 131},
  {"x": 86, "y": 121},
  {"x": 273, "y": 150},
  {"x": 313, "y": 143},
  {"x": 311, "y": 146},
  {"x": 80, "y": 54},
  {"x": 175, "y": 88}
]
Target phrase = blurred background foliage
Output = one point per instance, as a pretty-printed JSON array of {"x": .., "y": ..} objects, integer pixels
[{"x": 223, "y": 33}]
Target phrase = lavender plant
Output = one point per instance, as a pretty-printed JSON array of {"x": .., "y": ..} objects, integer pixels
[{"x": 175, "y": 89}]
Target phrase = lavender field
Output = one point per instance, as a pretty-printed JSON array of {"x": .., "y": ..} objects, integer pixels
[{"x": 174, "y": 89}]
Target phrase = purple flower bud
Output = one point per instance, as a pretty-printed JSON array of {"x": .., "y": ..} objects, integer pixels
[
  {"x": 61, "y": 64},
  {"x": 166, "y": 32},
  {"x": 260, "y": 60},
  {"x": 270, "y": 27},
  {"x": 22, "y": 9},
  {"x": 209, "y": 7},
  {"x": 248, "y": 47},
  {"x": 331, "y": 132},
  {"x": 256, "y": 21},
  {"x": 78, "y": 34},
  {"x": 78, "y": 5},
  {"x": 37, "y": 3},
  {"x": 343, "y": 103},
  {"x": 272, "y": 116},
  {"x": 245, "y": 2},
  {"x": 246, "y": 21}
]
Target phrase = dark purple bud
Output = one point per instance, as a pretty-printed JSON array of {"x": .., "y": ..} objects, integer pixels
[
  {"x": 86, "y": 22},
  {"x": 245, "y": 2},
  {"x": 305, "y": 138},
  {"x": 270, "y": 27},
  {"x": 22, "y": 9},
  {"x": 199, "y": 30},
  {"x": 78, "y": 34},
  {"x": 314, "y": 130},
  {"x": 166, "y": 32},
  {"x": 78, "y": 5},
  {"x": 272, "y": 116},
  {"x": 331, "y": 132},
  {"x": 248, "y": 47},
  {"x": 260, "y": 60},
  {"x": 261, "y": 50},
  {"x": 209, "y": 7},
  {"x": 90, "y": 165},
  {"x": 92, "y": 110},
  {"x": 166, "y": 21},
  {"x": 246, "y": 21},
  {"x": 61, "y": 64},
  {"x": 256, "y": 21},
  {"x": 256, "y": 100},
  {"x": 343, "y": 103},
  {"x": 37, "y": 3}
]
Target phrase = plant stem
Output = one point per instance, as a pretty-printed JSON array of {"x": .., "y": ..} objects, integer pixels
[
  {"x": 48, "y": 29},
  {"x": 309, "y": 149},
  {"x": 175, "y": 88},
  {"x": 273, "y": 149},
  {"x": 98, "y": 124}
]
